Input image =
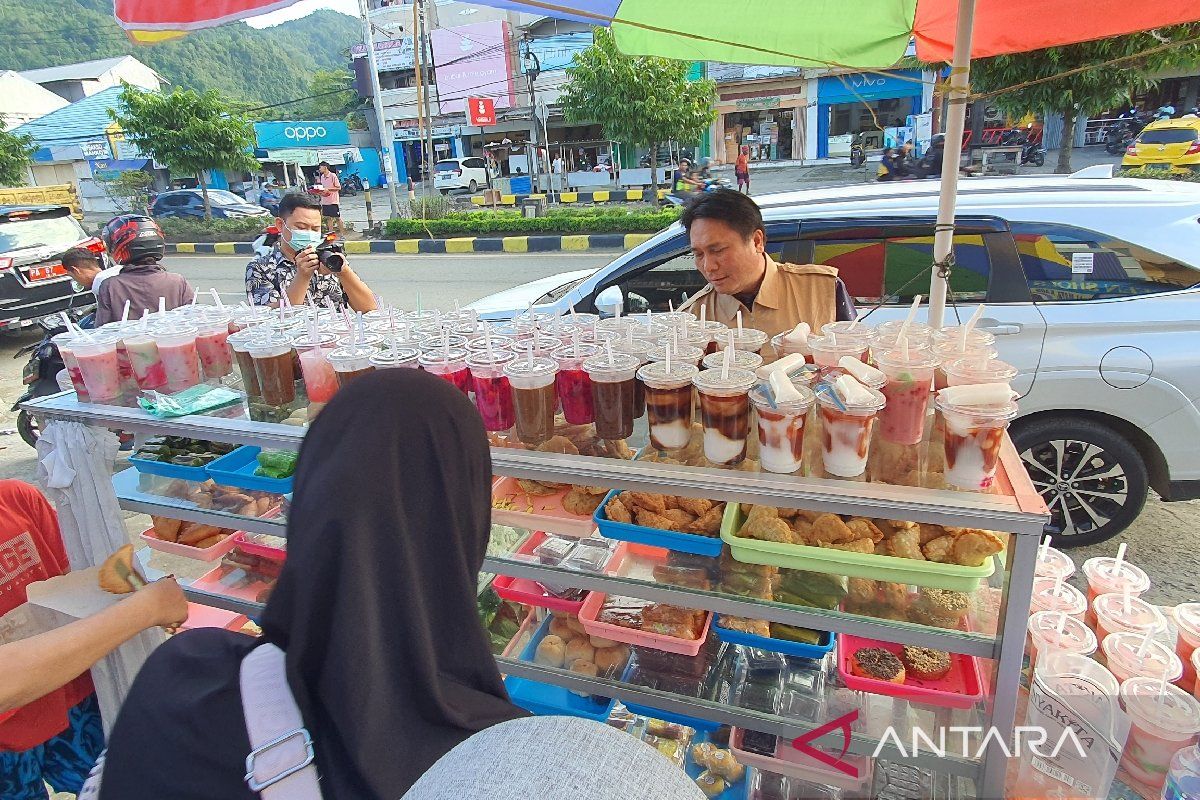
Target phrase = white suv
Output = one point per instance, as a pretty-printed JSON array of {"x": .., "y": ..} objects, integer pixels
[
  {"x": 1090, "y": 284},
  {"x": 460, "y": 173}
]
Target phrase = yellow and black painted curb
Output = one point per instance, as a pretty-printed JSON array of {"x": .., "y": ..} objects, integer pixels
[
  {"x": 599, "y": 196},
  {"x": 464, "y": 244}
]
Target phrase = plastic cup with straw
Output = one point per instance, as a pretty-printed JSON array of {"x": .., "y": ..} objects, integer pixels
[{"x": 725, "y": 409}]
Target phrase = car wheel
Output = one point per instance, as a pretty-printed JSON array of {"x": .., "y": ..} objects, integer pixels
[
  {"x": 1093, "y": 479},
  {"x": 444, "y": 192},
  {"x": 474, "y": 187}
]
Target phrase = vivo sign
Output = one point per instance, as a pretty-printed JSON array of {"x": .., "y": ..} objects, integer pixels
[{"x": 304, "y": 133}]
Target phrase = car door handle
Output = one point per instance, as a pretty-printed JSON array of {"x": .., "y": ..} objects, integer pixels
[{"x": 1001, "y": 329}]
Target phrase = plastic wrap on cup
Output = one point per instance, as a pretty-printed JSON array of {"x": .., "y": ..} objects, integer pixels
[
  {"x": 534, "y": 397},
  {"x": 781, "y": 426},
  {"x": 725, "y": 413},
  {"x": 669, "y": 402}
]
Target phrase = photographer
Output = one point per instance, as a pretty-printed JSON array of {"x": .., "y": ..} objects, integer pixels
[{"x": 294, "y": 265}]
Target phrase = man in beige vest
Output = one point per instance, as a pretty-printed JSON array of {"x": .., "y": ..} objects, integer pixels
[{"x": 729, "y": 242}]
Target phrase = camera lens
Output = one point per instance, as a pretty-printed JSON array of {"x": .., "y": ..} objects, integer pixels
[{"x": 333, "y": 261}]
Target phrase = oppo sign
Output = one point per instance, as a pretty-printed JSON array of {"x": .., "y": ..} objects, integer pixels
[{"x": 303, "y": 133}]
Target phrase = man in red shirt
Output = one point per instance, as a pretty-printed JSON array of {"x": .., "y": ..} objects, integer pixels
[
  {"x": 56, "y": 738},
  {"x": 330, "y": 191}
]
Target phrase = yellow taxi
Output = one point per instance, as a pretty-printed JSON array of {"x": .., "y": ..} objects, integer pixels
[{"x": 1171, "y": 145}]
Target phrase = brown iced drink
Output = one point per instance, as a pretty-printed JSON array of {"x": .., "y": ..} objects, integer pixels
[
  {"x": 534, "y": 397},
  {"x": 725, "y": 412},
  {"x": 274, "y": 370},
  {"x": 613, "y": 392},
  {"x": 351, "y": 362},
  {"x": 669, "y": 403}
]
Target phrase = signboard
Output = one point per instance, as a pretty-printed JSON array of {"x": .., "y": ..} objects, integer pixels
[
  {"x": 756, "y": 102},
  {"x": 481, "y": 111},
  {"x": 473, "y": 60},
  {"x": 304, "y": 133},
  {"x": 856, "y": 87},
  {"x": 95, "y": 149},
  {"x": 393, "y": 54}
]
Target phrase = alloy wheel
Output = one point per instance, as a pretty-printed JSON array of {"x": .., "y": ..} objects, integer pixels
[{"x": 1084, "y": 486}]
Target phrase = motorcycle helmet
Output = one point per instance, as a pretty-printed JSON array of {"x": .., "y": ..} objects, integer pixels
[{"x": 132, "y": 238}]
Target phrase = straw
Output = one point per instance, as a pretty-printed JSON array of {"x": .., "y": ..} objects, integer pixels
[
  {"x": 671, "y": 306},
  {"x": 1062, "y": 623},
  {"x": 456, "y": 308},
  {"x": 912, "y": 314},
  {"x": 1143, "y": 647},
  {"x": 217, "y": 299},
  {"x": 528, "y": 356},
  {"x": 1162, "y": 691},
  {"x": 1058, "y": 585},
  {"x": 78, "y": 331},
  {"x": 902, "y": 342},
  {"x": 725, "y": 362},
  {"x": 739, "y": 322},
  {"x": 312, "y": 326},
  {"x": 446, "y": 344},
  {"x": 1118, "y": 562},
  {"x": 574, "y": 316},
  {"x": 668, "y": 349},
  {"x": 729, "y": 344},
  {"x": 125, "y": 313},
  {"x": 629, "y": 337},
  {"x": 360, "y": 333},
  {"x": 703, "y": 308},
  {"x": 487, "y": 342},
  {"x": 1127, "y": 597},
  {"x": 967, "y": 328},
  {"x": 162, "y": 306},
  {"x": 418, "y": 302},
  {"x": 1043, "y": 548},
  {"x": 832, "y": 339},
  {"x": 612, "y": 361}
]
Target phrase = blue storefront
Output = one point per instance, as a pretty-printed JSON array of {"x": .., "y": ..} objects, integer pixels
[
  {"x": 868, "y": 102},
  {"x": 287, "y": 146}
]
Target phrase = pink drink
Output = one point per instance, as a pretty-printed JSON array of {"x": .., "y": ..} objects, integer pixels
[
  {"x": 909, "y": 377},
  {"x": 1054, "y": 563},
  {"x": 212, "y": 346},
  {"x": 1064, "y": 598},
  {"x": 1045, "y": 635},
  {"x": 1113, "y": 617},
  {"x": 945, "y": 352},
  {"x": 98, "y": 366},
  {"x": 147, "y": 366},
  {"x": 1162, "y": 724},
  {"x": 1120, "y": 653},
  {"x": 65, "y": 344},
  {"x": 1187, "y": 620},
  {"x": 450, "y": 365},
  {"x": 828, "y": 350},
  {"x": 572, "y": 383},
  {"x": 971, "y": 440},
  {"x": 181, "y": 363},
  {"x": 1104, "y": 578},
  {"x": 493, "y": 392},
  {"x": 320, "y": 381}
]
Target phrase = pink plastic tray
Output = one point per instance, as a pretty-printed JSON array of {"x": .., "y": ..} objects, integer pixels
[
  {"x": 671, "y": 644},
  {"x": 962, "y": 686},
  {"x": 202, "y": 554},
  {"x": 518, "y": 642},
  {"x": 202, "y": 616},
  {"x": 524, "y": 590},
  {"x": 797, "y": 764},
  {"x": 254, "y": 548},
  {"x": 546, "y": 514},
  {"x": 210, "y": 582}
]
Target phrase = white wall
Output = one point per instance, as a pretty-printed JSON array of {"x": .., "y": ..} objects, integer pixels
[
  {"x": 23, "y": 100},
  {"x": 130, "y": 70}
]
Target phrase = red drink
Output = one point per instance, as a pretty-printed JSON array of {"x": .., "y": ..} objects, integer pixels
[
  {"x": 450, "y": 365},
  {"x": 212, "y": 345},
  {"x": 575, "y": 393},
  {"x": 909, "y": 377},
  {"x": 494, "y": 398}
]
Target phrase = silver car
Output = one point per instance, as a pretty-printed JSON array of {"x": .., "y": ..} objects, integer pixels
[{"x": 1090, "y": 283}]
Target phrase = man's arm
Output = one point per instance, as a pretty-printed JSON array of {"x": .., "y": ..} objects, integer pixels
[
  {"x": 32, "y": 668},
  {"x": 358, "y": 294}
]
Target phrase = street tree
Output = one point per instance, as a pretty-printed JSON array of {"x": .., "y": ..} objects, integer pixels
[
  {"x": 187, "y": 131},
  {"x": 129, "y": 190},
  {"x": 637, "y": 100},
  {"x": 16, "y": 154},
  {"x": 331, "y": 96},
  {"x": 1087, "y": 92}
]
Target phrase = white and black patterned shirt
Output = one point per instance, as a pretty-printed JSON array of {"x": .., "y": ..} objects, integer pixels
[{"x": 269, "y": 275}]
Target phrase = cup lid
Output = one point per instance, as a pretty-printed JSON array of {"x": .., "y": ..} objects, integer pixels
[
  {"x": 710, "y": 327},
  {"x": 949, "y": 351},
  {"x": 1066, "y": 598},
  {"x": 428, "y": 315},
  {"x": 894, "y": 359},
  {"x": 742, "y": 359},
  {"x": 656, "y": 373},
  {"x": 480, "y": 358},
  {"x": 621, "y": 362},
  {"x": 684, "y": 352},
  {"x": 1053, "y": 562},
  {"x": 761, "y": 397},
  {"x": 351, "y": 352},
  {"x": 638, "y": 347},
  {"x": 480, "y": 344},
  {"x": 1006, "y": 410},
  {"x": 1075, "y": 636},
  {"x": 745, "y": 339},
  {"x": 456, "y": 355},
  {"x": 915, "y": 329},
  {"x": 243, "y": 338},
  {"x": 738, "y": 380},
  {"x": 1158, "y": 660},
  {"x": 536, "y": 367},
  {"x": 953, "y": 333},
  {"x": 437, "y": 342},
  {"x": 1187, "y": 617},
  {"x": 980, "y": 368},
  {"x": 848, "y": 329},
  {"x": 829, "y": 397},
  {"x": 546, "y": 344},
  {"x": 1142, "y": 616},
  {"x": 567, "y": 351},
  {"x": 839, "y": 344},
  {"x": 178, "y": 329},
  {"x": 1100, "y": 568},
  {"x": 1169, "y": 707},
  {"x": 304, "y": 340},
  {"x": 394, "y": 356}
]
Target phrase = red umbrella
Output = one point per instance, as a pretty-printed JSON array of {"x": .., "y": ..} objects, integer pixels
[{"x": 187, "y": 15}]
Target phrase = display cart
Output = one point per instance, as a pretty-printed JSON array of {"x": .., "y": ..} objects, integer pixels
[{"x": 1014, "y": 508}]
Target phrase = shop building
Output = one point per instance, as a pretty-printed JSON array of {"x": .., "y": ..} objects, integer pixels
[
  {"x": 290, "y": 150},
  {"x": 877, "y": 104},
  {"x": 760, "y": 107}
]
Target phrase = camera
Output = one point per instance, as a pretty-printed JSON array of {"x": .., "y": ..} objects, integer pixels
[{"x": 331, "y": 253}]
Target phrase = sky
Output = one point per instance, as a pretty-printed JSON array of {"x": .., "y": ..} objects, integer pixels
[{"x": 303, "y": 9}]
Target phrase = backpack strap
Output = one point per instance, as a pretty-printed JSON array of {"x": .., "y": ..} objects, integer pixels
[{"x": 280, "y": 764}]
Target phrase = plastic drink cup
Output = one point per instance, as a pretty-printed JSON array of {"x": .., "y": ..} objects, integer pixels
[
  {"x": 827, "y": 351},
  {"x": 884, "y": 343},
  {"x": 115, "y": 330},
  {"x": 320, "y": 382},
  {"x": 1112, "y": 617},
  {"x": 493, "y": 392},
  {"x": 534, "y": 397},
  {"x": 971, "y": 438},
  {"x": 670, "y": 402},
  {"x": 953, "y": 333},
  {"x": 240, "y": 344},
  {"x": 848, "y": 329},
  {"x": 181, "y": 362},
  {"x": 640, "y": 348},
  {"x": 907, "y": 391},
  {"x": 725, "y": 413},
  {"x": 785, "y": 346},
  {"x": 1103, "y": 577},
  {"x": 684, "y": 353},
  {"x": 974, "y": 369},
  {"x": 846, "y": 433},
  {"x": 243, "y": 318},
  {"x": 426, "y": 317},
  {"x": 1187, "y": 621},
  {"x": 1045, "y": 636},
  {"x": 917, "y": 332},
  {"x": 572, "y": 383},
  {"x": 274, "y": 369},
  {"x": 1064, "y": 598},
  {"x": 396, "y": 357},
  {"x": 369, "y": 339},
  {"x": 543, "y": 346},
  {"x": 750, "y": 340},
  {"x": 1183, "y": 779},
  {"x": 1120, "y": 655},
  {"x": 1161, "y": 724},
  {"x": 65, "y": 342},
  {"x": 781, "y": 428},
  {"x": 212, "y": 346},
  {"x": 1194, "y": 662},
  {"x": 714, "y": 331},
  {"x": 148, "y": 370},
  {"x": 351, "y": 362},
  {"x": 97, "y": 364},
  {"x": 945, "y": 352},
  {"x": 614, "y": 392},
  {"x": 498, "y": 343},
  {"x": 451, "y": 365},
  {"x": 1053, "y": 563},
  {"x": 740, "y": 359}
]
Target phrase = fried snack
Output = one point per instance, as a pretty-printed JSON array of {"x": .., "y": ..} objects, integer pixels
[
  {"x": 558, "y": 444},
  {"x": 617, "y": 511},
  {"x": 940, "y": 550},
  {"x": 119, "y": 573},
  {"x": 861, "y": 590},
  {"x": 166, "y": 529},
  {"x": 647, "y": 500},
  {"x": 598, "y": 491},
  {"x": 551, "y": 652},
  {"x": 560, "y": 628},
  {"x": 803, "y": 530},
  {"x": 611, "y": 660},
  {"x": 829, "y": 529},
  {"x": 757, "y": 627},
  {"x": 863, "y": 528},
  {"x": 881, "y": 548},
  {"x": 974, "y": 547},
  {"x": 212, "y": 540},
  {"x": 710, "y": 783},
  {"x": 943, "y": 603},
  {"x": 877, "y": 664},
  {"x": 906, "y": 544},
  {"x": 710, "y": 523},
  {"x": 857, "y": 546},
  {"x": 930, "y": 532},
  {"x": 578, "y": 501},
  {"x": 536, "y": 488},
  {"x": 763, "y": 523},
  {"x": 925, "y": 663},
  {"x": 695, "y": 505},
  {"x": 701, "y": 753},
  {"x": 894, "y": 595},
  {"x": 197, "y": 533},
  {"x": 649, "y": 519},
  {"x": 679, "y": 517}
]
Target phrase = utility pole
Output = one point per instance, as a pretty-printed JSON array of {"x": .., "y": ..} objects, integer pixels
[
  {"x": 533, "y": 68},
  {"x": 385, "y": 146},
  {"x": 417, "y": 71},
  {"x": 427, "y": 64}
]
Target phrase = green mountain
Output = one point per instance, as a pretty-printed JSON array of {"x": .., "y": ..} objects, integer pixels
[{"x": 260, "y": 67}]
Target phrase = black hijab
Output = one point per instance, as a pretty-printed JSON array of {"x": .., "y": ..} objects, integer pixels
[{"x": 375, "y": 607}]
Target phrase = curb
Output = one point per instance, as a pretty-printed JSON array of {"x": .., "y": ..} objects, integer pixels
[
  {"x": 462, "y": 245},
  {"x": 600, "y": 196}
]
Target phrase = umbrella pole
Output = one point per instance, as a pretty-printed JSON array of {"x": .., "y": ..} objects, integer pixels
[{"x": 943, "y": 239}]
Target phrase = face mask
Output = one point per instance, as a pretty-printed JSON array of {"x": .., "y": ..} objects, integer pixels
[{"x": 302, "y": 239}]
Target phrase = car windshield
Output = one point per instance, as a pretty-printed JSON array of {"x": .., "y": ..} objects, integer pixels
[
  {"x": 1168, "y": 136},
  {"x": 554, "y": 295},
  {"x": 58, "y": 232},
  {"x": 220, "y": 197},
  {"x": 446, "y": 166}
]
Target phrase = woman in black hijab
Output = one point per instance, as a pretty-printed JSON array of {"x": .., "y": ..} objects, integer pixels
[{"x": 375, "y": 609}]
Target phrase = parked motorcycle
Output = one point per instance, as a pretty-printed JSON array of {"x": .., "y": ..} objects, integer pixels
[
  {"x": 1031, "y": 152},
  {"x": 858, "y": 154},
  {"x": 1122, "y": 133},
  {"x": 266, "y": 241},
  {"x": 40, "y": 373},
  {"x": 352, "y": 185}
]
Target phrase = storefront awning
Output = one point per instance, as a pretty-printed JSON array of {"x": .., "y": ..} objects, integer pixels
[{"x": 311, "y": 156}]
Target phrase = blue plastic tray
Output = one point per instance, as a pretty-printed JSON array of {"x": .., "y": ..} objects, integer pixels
[
  {"x": 738, "y": 791},
  {"x": 237, "y": 469},
  {"x": 177, "y": 471},
  {"x": 670, "y": 540},
  {"x": 813, "y": 651},
  {"x": 543, "y": 698}
]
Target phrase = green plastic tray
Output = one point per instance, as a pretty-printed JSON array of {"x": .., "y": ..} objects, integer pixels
[{"x": 852, "y": 565}]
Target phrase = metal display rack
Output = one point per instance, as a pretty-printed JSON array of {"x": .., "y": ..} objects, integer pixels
[{"x": 1015, "y": 508}]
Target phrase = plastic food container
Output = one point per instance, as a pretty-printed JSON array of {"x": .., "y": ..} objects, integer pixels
[
  {"x": 797, "y": 764},
  {"x": 201, "y": 554},
  {"x": 851, "y": 565},
  {"x": 536, "y": 512},
  {"x": 670, "y": 644},
  {"x": 529, "y": 592},
  {"x": 961, "y": 687},
  {"x": 237, "y": 469},
  {"x": 814, "y": 651},
  {"x": 252, "y": 544},
  {"x": 165, "y": 470},
  {"x": 671, "y": 540},
  {"x": 543, "y": 698}
]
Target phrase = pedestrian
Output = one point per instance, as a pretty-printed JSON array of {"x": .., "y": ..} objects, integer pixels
[
  {"x": 292, "y": 265},
  {"x": 50, "y": 728},
  {"x": 741, "y": 169},
  {"x": 375, "y": 609},
  {"x": 268, "y": 198},
  {"x": 136, "y": 243},
  {"x": 330, "y": 191},
  {"x": 557, "y": 166},
  {"x": 887, "y": 165}
]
